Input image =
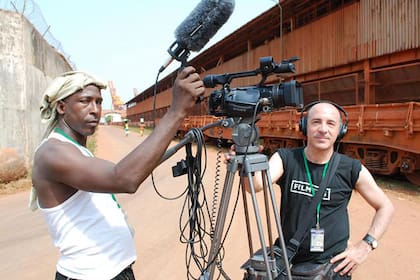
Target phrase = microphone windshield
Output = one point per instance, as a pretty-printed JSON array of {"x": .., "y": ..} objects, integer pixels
[{"x": 202, "y": 23}]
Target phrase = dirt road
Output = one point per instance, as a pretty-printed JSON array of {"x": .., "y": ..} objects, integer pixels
[{"x": 26, "y": 251}]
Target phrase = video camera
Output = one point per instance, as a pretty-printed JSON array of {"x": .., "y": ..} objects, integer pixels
[{"x": 244, "y": 101}]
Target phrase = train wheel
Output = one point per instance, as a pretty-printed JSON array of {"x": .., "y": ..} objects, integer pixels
[{"x": 413, "y": 177}]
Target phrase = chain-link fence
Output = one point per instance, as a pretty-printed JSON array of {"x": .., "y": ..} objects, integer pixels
[{"x": 30, "y": 10}]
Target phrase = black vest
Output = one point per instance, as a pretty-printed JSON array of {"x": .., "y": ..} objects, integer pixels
[{"x": 296, "y": 197}]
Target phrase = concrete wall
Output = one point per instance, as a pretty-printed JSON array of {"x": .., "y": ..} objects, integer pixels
[{"x": 27, "y": 65}]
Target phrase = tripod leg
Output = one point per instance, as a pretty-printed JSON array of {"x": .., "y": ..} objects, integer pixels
[
  {"x": 278, "y": 223},
  {"x": 221, "y": 217},
  {"x": 259, "y": 162},
  {"x": 258, "y": 220},
  {"x": 267, "y": 211},
  {"x": 246, "y": 212}
]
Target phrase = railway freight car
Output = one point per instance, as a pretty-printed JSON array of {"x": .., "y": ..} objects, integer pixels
[
  {"x": 385, "y": 137},
  {"x": 361, "y": 54}
]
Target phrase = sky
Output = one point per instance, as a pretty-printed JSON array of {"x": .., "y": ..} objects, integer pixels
[{"x": 126, "y": 41}]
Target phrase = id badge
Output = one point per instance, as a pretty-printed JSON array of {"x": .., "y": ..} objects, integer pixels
[{"x": 317, "y": 240}]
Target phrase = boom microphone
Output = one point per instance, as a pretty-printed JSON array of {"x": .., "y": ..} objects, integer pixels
[{"x": 198, "y": 28}]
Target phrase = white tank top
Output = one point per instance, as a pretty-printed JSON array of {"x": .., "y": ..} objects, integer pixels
[{"x": 91, "y": 232}]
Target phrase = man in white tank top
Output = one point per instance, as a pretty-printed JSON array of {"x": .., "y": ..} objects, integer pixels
[{"x": 74, "y": 189}]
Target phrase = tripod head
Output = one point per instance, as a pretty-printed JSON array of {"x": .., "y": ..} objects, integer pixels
[{"x": 245, "y": 136}]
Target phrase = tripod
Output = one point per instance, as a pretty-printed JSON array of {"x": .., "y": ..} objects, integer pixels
[
  {"x": 247, "y": 160},
  {"x": 250, "y": 163}
]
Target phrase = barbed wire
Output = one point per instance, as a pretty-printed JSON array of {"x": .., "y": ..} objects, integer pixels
[{"x": 31, "y": 11}]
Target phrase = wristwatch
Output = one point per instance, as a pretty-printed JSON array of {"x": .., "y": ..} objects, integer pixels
[{"x": 369, "y": 239}]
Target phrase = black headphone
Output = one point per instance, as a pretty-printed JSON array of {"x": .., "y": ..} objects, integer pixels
[{"x": 304, "y": 119}]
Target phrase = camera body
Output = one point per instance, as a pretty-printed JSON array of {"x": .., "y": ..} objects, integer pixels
[
  {"x": 246, "y": 101},
  {"x": 242, "y": 102}
]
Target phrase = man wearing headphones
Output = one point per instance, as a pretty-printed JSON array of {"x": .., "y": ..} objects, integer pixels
[{"x": 299, "y": 172}]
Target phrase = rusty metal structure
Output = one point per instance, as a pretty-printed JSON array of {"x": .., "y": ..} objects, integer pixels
[
  {"x": 117, "y": 103},
  {"x": 361, "y": 54}
]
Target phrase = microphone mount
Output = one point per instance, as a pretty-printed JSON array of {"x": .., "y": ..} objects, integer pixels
[{"x": 178, "y": 52}]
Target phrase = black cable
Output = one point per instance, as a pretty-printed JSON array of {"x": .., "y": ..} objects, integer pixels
[
  {"x": 216, "y": 182},
  {"x": 154, "y": 125},
  {"x": 195, "y": 210},
  {"x": 154, "y": 99}
]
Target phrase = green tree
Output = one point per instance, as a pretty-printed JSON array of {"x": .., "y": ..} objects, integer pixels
[{"x": 108, "y": 119}]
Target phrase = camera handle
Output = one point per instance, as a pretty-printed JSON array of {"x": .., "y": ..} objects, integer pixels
[{"x": 251, "y": 163}]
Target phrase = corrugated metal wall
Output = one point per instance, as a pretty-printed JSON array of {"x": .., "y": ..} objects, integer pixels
[
  {"x": 363, "y": 30},
  {"x": 388, "y": 26},
  {"x": 360, "y": 31},
  {"x": 353, "y": 34}
]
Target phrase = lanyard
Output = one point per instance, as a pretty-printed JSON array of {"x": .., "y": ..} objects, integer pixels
[
  {"x": 61, "y": 132},
  {"x": 308, "y": 173}
]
